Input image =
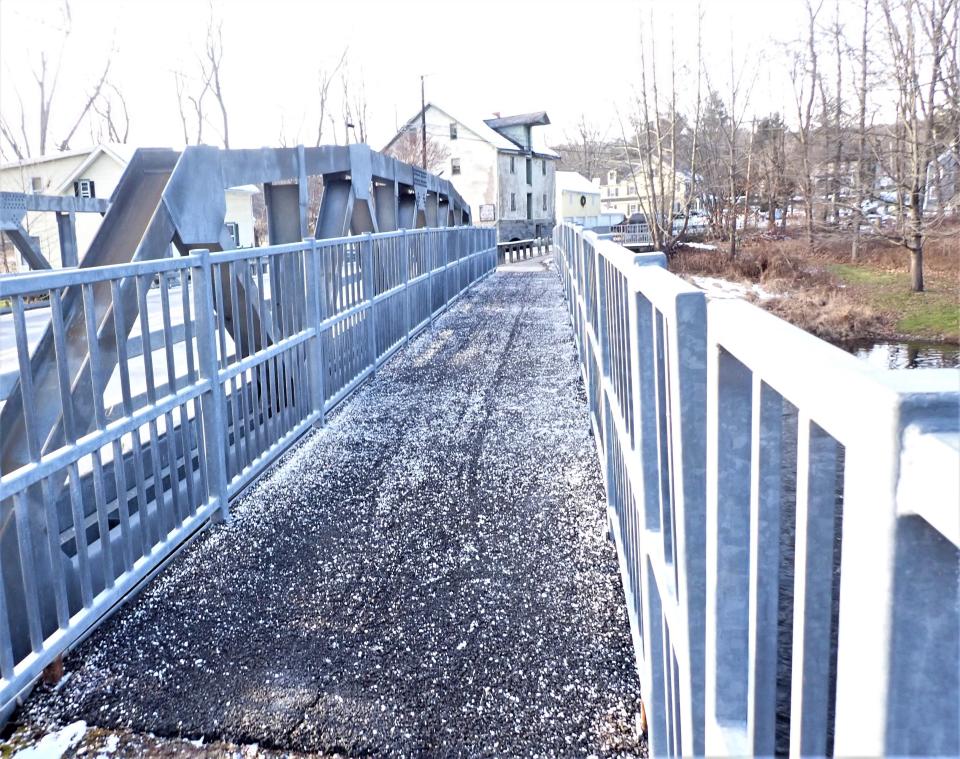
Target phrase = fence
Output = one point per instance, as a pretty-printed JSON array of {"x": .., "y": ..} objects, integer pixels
[
  {"x": 254, "y": 346},
  {"x": 785, "y": 517},
  {"x": 639, "y": 234},
  {"x": 522, "y": 250}
]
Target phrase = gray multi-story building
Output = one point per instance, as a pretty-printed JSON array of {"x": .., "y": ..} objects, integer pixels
[{"x": 500, "y": 166}]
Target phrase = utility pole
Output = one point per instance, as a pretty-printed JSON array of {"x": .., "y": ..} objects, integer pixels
[{"x": 423, "y": 123}]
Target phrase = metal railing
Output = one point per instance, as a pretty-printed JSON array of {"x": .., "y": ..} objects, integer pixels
[
  {"x": 632, "y": 234},
  {"x": 786, "y": 519},
  {"x": 249, "y": 349},
  {"x": 522, "y": 250},
  {"x": 639, "y": 234}
]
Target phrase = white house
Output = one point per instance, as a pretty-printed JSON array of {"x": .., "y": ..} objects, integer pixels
[
  {"x": 578, "y": 200},
  {"x": 95, "y": 172},
  {"x": 943, "y": 183},
  {"x": 500, "y": 166}
]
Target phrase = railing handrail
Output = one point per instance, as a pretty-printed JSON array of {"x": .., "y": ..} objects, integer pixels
[{"x": 691, "y": 403}]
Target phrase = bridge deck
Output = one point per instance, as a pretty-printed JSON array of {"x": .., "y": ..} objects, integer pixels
[{"x": 427, "y": 574}]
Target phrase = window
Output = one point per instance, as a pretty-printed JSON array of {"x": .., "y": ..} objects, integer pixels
[
  {"x": 513, "y": 166},
  {"x": 615, "y": 192},
  {"x": 453, "y": 130},
  {"x": 454, "y": 165},
  {"x": 36, "y": 185},
  {"x": 529, "y": 171},
  {"x": 84, "y": 188},
  {"x": 543, "y": 166},
  {"x": 544, "y": 201},
  {"x": 513, "y": 199},
  {"x": 233, "y": 230},
  {"x": 529, "y": 205}
]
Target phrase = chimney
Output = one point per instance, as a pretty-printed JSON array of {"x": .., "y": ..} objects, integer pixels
[{"x": 496, "y": 114}]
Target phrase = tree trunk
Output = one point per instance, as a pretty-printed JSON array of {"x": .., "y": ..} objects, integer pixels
[{"x": 916, "y": 264}]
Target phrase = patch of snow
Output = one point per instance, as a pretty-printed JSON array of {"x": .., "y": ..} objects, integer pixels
[
  {"x": 55, "y": 745},
  {"x": 699, "y": 246},
  {"x": 724, "y": 289},
  {"x": 109, "y": 747}
]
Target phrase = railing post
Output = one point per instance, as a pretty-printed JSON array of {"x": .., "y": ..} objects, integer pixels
[
  {"x": 429, "y": 238},
  {"x": 315, "y": 288},
  {"x": 366, "y": 258},
  {"x": 405, "y": 252},
  {"x": 212, "y": 403}
]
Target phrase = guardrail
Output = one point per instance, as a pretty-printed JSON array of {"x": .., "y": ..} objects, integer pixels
[
  {"x": 255, "y": 346},
  {"x": 786, "y": 519},
  {"x": 522, "y": 250},
  {"x": 639, "y": 234},
  {"x": 632, "y": 234}
]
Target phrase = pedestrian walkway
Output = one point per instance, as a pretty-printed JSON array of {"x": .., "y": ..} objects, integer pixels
[{"x": 429, "y": 574}]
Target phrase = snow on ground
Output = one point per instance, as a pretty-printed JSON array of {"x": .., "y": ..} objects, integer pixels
[
  {"x": 699, "y": 246},
  {"x": 54, "y": 745},
  {"x": 724, "y": 289},
  {"x": 426, "y": 575}
]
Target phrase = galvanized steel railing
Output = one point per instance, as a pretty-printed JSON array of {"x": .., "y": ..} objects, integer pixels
[
  {"x": 247, "y": 349},
  {"x": 786, "y": 519},
  {"x": 522, "y": 250}
]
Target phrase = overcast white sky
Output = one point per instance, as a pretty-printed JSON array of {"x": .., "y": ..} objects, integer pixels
[{"x": 482, "y": 56}]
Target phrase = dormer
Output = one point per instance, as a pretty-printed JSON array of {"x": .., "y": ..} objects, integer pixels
[{"x": 518, "y": 128}]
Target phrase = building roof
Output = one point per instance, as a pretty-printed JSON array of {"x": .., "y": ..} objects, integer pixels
[
  {"x": 574, "y": 181},
  {"x": 118, "y": 150},
  {"x": 482, "y": 128},
  {"x": 478, "y": 127},
  {"x": 121, "y": 153},
  {"x": 536, "y": 118}
]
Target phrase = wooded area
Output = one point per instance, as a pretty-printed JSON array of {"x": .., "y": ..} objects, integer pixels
[{"x": 871, "y": 145}]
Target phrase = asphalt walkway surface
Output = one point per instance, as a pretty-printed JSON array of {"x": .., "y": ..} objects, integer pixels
[{"x": 427, "y": 575}]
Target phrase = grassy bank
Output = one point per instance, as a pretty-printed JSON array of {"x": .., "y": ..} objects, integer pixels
[
  {"x": 931, "y": 314},
  {"x": 824, "y": 293}
]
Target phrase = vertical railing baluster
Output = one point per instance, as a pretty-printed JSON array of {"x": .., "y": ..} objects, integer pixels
[
  {"x": 315, "y": 286},
  {"x": 812, "y": 588},
  {"x": 366, "y": 256},
  {"x": 212, "y": 404},
  {"x": 405, "y": 258},
  {"x": 765, "y": 498}
]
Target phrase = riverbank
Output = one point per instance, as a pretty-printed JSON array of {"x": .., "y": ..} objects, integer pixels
[{"x": 826, "y": 294}]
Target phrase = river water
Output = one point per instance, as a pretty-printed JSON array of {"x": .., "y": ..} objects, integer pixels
[
  {"x": 882, "y": 355},
  {"x": 912, "y": 355}
]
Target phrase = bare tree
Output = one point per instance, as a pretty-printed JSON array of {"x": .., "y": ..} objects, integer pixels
[
  {"x": 406, "y": 148},
  {"x": 211, "y": 68},
  {"x": 115, "y": 117},
  {"x": 191, "y": 100},
  {"x": 918, "y": 34},
  {"x": 354, "y": 105},
  {"x": 325, "y": 78},
  {"x": 586, "y": 151},
  {"x": 47, "y": 78},
  {"x": 806, "y": 80},
  {"x": 652, "y": 154},
  {"x": 192, "y": 90},
  {"x": 860, "y": 177}
]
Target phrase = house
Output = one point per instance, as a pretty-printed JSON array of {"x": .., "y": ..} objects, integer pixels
[
  {"x": 943, "y": 183},
  {"x": 500, "y": 166},
  {"x": 577, "y": 197},
  {"x": 95, "y": 172},
  {"x": 628, "y": 192},
  {"x": 578, "y": 201}
]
